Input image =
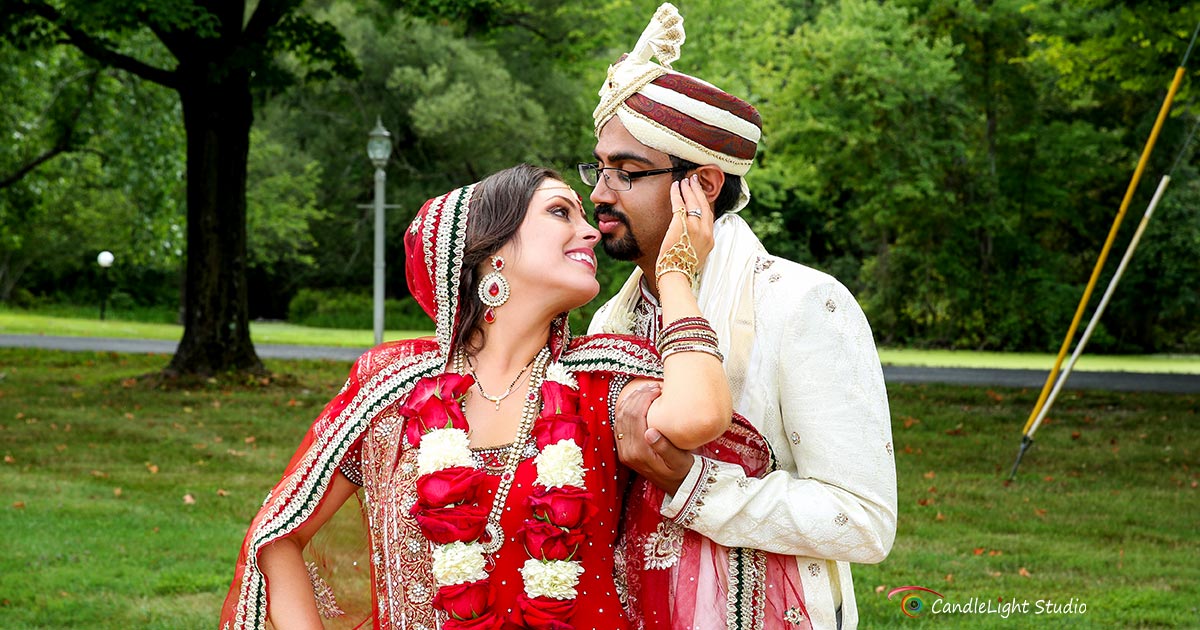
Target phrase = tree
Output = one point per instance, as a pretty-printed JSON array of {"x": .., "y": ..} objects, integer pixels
[
  {"x": 865, "y": 132},
  {"x": 76, "y": 180},
  {"x": 222, "y": 52}
]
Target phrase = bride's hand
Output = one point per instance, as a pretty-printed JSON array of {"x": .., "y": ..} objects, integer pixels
[{"x": 687, "y": 194}]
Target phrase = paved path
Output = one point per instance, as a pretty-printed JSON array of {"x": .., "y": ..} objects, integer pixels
[
  {"x": 107, "y": 344},
  {"x": 980, "y": 377}
]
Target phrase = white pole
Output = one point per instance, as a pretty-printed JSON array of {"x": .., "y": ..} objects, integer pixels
[
  {"x": 380, "y": 178},
  {"x": 1112, "y": 285}
]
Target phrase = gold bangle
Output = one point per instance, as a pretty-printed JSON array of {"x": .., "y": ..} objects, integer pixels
[
  {"x": 686, "y": 341},
  {"x": 706, "y": 350},
  {"x": 666, "y": 340}
]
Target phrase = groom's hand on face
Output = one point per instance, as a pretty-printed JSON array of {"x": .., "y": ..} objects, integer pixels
[{"x": 645, "y": 450}]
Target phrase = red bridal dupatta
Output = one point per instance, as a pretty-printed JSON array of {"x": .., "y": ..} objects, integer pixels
[
  {"x": 379, "y": 378},
  {"x": 433, "y": 247}
]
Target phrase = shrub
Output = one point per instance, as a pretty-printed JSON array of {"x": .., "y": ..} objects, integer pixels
[{"x": 349, "y": 309}]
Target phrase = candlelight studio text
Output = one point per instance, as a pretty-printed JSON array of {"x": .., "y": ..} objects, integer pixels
[{"x": 979, "y": 606}]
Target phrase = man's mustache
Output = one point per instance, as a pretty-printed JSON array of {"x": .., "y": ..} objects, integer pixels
[{"x": 611, "y": 212}]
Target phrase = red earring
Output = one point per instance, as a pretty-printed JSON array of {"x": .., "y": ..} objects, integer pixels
[{"x": 494, "y": 290}]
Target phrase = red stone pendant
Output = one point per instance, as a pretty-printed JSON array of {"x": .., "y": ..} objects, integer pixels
[
  {"x": 489, "y": 315},
  {"x": 494, "y": 289}
]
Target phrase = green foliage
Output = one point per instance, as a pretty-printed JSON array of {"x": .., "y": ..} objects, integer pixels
[
  {"x": 868, "y": 126},
  {"x": 1158, "y": 304},
  {"x": 347, "y": 309},
  {"x": 281, "y": 204},
  {"x": 111, "y": 187},
  {"x": 455, "y": 111}
]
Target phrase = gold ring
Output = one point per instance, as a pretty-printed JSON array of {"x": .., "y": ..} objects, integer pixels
[
  {"x": 620, "y": 436},
  {"x": 682, "y": 209}
]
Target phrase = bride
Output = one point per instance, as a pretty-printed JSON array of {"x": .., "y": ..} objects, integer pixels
[{"x": 485, "y": 455}]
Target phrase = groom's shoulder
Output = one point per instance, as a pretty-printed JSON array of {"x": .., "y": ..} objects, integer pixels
[
  {"x": 789, "y": 280},
  {"x": 785, "y": 289}
]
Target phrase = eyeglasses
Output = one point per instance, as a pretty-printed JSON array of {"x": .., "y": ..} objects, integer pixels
[{"x": 619, "y": 180}]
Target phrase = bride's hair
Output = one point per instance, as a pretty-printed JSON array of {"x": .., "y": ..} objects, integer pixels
[{"x": 498, "y": 206}]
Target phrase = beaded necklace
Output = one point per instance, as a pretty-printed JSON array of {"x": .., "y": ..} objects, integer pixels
[{"x": 528, "y": 414}]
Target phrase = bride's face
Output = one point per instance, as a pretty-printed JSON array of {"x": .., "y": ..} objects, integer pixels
[{"x": 552, "y": 258}]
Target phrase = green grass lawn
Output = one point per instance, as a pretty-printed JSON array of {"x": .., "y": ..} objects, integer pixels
[
  {"x": 16, "y": 322},
  {"x": 26, "y": 323},
  {"x": 123, "y": 506},
  {"x": 1158, "y": 363}
]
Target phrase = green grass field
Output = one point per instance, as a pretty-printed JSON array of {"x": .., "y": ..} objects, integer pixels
[
  {"x": 123, "y": 506},
  {"x": 16, "y": 322},
  {"x": 26, "y": 323}
]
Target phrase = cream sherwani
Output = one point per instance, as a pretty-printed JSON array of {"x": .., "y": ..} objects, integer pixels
[{"x": 804, "y": 371}]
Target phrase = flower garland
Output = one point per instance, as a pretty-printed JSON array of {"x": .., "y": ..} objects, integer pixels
[{"x": 450, "y": 487}]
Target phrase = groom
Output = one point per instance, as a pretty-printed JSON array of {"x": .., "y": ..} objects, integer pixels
[{"x": 799, "y": 353}]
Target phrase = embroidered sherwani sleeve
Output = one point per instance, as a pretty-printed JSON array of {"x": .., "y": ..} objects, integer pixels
[{"x": 835, "y": 496}]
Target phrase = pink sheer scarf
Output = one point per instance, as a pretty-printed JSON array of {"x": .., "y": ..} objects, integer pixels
[{"x": 677, "y": 579}]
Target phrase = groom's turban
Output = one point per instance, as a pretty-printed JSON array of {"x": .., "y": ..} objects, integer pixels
[{"x": 672, "y": 112}]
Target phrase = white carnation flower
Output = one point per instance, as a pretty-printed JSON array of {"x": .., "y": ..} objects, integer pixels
[
  {"x": 560, "y": 464},
  {"x": 554, "y": 578},
  {"x": 559, "y": 373},
  {"x": 458, "y": 563},
  {"x": 621, "y": 323},
  {"x": 443, "y": 449}
]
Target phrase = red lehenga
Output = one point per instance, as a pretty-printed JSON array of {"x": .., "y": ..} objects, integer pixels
[{"x": 365, "y": 423}]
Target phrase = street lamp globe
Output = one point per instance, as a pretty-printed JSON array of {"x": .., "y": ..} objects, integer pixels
[
  {"x": 105, "y": 259},
  {"x": 379, "y": 146}
]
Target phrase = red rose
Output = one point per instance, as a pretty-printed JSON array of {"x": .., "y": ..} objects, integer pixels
[
  {"x": 451, "y": 524},
  {"x": 547, "y": 541},
  {"x": 553, "y": 429},
  {"x": 568, "y": 506},
  {"x": 434, "y": 404},
  {"x": 543, "y": 613},
  {"x": 464, "y": 601},
  {"x": 445, "y": 387},
  {"x": 558, "y": 398},
  {"x": 486, "y": 621},
  {"x": 435, "y": 414},
  {"x": 457, "y": 484}
]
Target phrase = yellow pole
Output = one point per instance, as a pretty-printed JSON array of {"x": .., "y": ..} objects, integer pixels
[{"x": 1112, "y": 235}]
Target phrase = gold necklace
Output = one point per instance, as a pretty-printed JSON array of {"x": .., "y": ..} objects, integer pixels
[
  {"x": 529, "y": 413},
  {"x": 507, "y": 392}
]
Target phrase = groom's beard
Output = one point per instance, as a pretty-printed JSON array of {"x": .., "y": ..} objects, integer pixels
[{"x": 623, "y": 248}]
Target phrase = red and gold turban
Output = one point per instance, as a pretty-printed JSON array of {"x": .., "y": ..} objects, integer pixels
[{"x": 675, "y": 113}]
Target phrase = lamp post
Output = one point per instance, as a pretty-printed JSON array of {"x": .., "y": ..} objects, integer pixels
[
  {"x": 105, "y": 260},
  {"x": 379, "y": 149}
]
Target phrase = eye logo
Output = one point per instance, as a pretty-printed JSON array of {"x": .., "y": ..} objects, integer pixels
[{"x": 912, "y": 604}]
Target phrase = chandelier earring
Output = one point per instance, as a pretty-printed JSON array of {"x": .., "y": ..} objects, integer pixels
[{"x": 494, "y": 290}]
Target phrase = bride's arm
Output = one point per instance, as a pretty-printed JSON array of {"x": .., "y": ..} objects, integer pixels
[
  {"x": 695, "y": 407},
  {"x": 291, "y": 603}
]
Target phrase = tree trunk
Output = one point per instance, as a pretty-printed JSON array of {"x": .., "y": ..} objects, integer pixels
[{"x": 217, "y": 114}]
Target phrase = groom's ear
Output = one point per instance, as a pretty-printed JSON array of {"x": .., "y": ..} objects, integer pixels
[{"x": 711, "y": 179}]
